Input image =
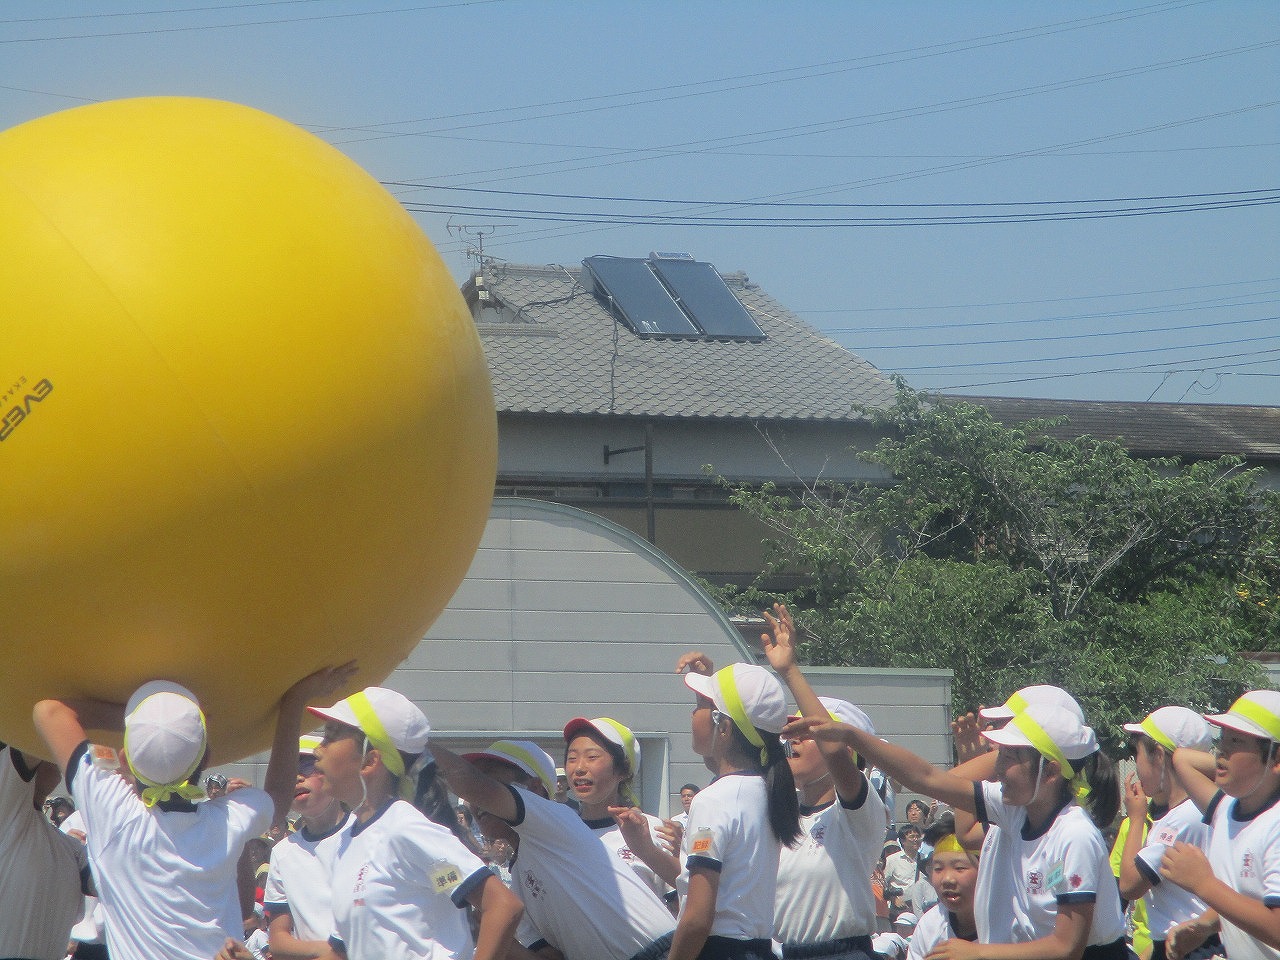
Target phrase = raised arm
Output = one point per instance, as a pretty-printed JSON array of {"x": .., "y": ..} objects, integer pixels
[
  {"x": 477, "y": 788},
  {"x": 1195, "y": 770},
  {"x": 282, "y": 768},
  {"x": 1133, "y": 885},
  {"x": 63, "y": 724},
  {"x": 780, "y": 648},
  {"x": 913, "y": 771}
]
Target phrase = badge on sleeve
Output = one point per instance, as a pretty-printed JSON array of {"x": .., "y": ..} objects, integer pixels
[
  {"x": 702, "y": 843},
  {"x": 445, "y": 877},
  {"x": 104, "y": 758}
]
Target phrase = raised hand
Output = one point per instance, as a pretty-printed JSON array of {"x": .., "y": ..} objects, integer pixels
[
  {"x": 966, "y": 734},
  {"x": 696, "y": 662},
  {"x": 780, "y": 648}
]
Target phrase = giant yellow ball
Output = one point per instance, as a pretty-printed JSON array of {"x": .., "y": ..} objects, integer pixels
[{"x": 246, "y": 427}]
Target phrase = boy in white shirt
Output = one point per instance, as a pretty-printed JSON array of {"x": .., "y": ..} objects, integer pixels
[
  {"x": 1238, "y": 788},
  {"x": 156, "y": 854}
]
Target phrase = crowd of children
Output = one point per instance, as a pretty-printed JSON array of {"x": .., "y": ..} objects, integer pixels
[{"x": 781, "y": 854}]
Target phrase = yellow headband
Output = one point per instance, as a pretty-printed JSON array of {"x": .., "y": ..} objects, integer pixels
[
  {"x": 628, "y": 751},
  {"x": 1050, "y": 750},
  {"x": 951, "y": 844},
  {"x": 738, "y": 713},
  {"x": 372, "y": 728},
  {"x": 154, "y": 792},
  {"x": 1158, "y": 735},
  {"x": 1263, "y": 717}
]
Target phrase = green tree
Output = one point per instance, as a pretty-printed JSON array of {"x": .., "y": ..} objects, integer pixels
[{"x": 1015, "y": 558}]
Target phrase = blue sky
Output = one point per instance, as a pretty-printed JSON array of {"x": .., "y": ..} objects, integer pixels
[{"x": 1060, "y": 116}]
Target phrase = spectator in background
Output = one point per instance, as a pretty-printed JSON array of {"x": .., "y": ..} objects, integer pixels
[
  {"x": 687, "y": 793},
  {"x": 902, "y": 869}
]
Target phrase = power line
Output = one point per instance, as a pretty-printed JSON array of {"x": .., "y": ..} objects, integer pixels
[
  {"x": 856, "y": 347},
  {"x": 1092, "y": 356},
  {"x": 935, "y": 220},
  {"x": 1138, "y": 369}
]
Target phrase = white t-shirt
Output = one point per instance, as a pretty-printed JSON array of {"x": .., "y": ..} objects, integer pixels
[
  {"x": 933, "y": 929},
  {"x": 995, "y": 908},
  {"x": 1067, "y": 863},
  {"x": 167, "y": 878},
  {"x": 1167, "y": 903},
  {"x": 610, "y": 834},
  {"x": 1245, "y": 855},
  {"x": 729, "y": 832},
  {"x": 89, "y": 928},
  {"x": 40, "y": 870},
  {"x": 901, "y": 871},
  {"x": 398, "y": 884},
  {"x": 824, "y": 881},
  {"x": 585, "y": 902},
  {"x": 298, "y": 884}
]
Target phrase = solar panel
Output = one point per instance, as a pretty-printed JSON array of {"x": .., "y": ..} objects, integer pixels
[
  {"x": 637, "y": 297},
  {"x": 704, "y": 296}
]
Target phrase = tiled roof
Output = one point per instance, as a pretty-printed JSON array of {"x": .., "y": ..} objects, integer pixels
[
  {"x": 1193, "y": 430},
  {"x": 556, "y": 350}
]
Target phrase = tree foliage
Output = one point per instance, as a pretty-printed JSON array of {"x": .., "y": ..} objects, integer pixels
[{"x": 1016, "y": 558}]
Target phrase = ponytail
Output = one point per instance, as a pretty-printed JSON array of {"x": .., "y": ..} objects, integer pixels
[
  {"x": 780, "y": 785},
  {"x": 1103, "y": 800}
]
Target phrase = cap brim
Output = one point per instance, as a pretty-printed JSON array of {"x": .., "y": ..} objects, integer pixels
[
  {"x": 339, "y": 713},
  {"x": 1133, "y": 728},
  {"x": 1231, "y": 721},
  {"x": 576, "y": 726},
  {"x": 702, "y": 685},
  {"x": 1009, "y": 736},
  {"x": 995, "y": 713},
  {"x": 486, "y": 755}
]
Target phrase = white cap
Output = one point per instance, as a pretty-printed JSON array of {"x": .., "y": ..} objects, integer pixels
[
  {"x": 308, "y": 742},
  {"x": 763, "y": 702},
  {"x": 616, "y": 733},
  {"x": 164, "y": 733},
  {"x": 1174, "y": 727},
  {"x": 1040, "y": 693},
  {"x": 907, "y": 919},
  {"x": 846, "y": 712},
  {"x": 1072, "y": 738},
  {"x": 406, "y": 727},
  {"x": 1257, "y": 713},
  {"x": 525, "y": 755}
]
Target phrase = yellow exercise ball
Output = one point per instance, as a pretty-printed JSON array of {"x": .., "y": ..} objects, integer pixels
[{"x": 246, "y": 428}]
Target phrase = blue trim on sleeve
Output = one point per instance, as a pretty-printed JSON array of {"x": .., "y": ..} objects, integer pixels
[
  {"x": 1148, "y": 874},
  {"x": 980, "y": 804},
  {"x": 857, "y": 802},
  {"x": 278, "y": 907},
  {"x": 1271, "y": 901},
  {"x": 335, "y": 941},
  {"x": 1077, "y": 898},
  {"x": 519, "y": 817},
  {"x": 537, "y": 945},
  {"x": 1212, "y": 808},
  {"x": 469, "y": 886},
  {"x": 76, "y": 756},
  {"x": 705, "y": 862}
]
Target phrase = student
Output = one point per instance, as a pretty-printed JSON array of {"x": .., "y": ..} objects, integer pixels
[
  {"x": 42, "y": 872},
  {"x": 601, "y": 762},
  {"x": 582, "y": 902},
  {"x": 953, "y": 871},
  {"x": 156, "y": 854},
  {"x": 297, "y": 894},
  {"x": 739, "y": 823},
  {"x": 399, "y": 882},
  {"x": 1239, "y": 793},
  {"x": 824, "y": 905},
  {"x": 687, "y": 793},
  {"x": 1065, "y": 902},
  {"x": 1177, "y": 819}
]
